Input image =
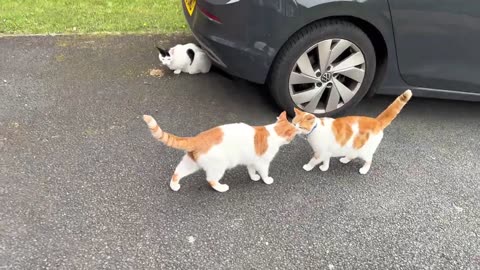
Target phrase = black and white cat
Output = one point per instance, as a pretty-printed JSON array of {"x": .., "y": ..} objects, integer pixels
[{"x": 188, "y": 58}]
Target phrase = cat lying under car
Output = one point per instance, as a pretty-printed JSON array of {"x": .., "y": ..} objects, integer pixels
[{"x": 188, "y": 58}]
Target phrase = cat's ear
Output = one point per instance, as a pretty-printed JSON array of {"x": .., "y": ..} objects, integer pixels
[
  {"x": 191, "y": 55},
  {"x": 297, "y": 111},
  {"x": 162, "y": 52},
  {"x": 282, "y": 116}
]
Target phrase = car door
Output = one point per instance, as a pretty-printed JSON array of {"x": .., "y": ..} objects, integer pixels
[{"x": 438, "y": 43}]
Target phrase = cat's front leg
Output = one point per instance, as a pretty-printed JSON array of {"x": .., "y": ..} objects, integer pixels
[
  {"x": 312, "y": 163},
  {"x": 177, "y": 71},
  {"x": 262, "y": 169}
]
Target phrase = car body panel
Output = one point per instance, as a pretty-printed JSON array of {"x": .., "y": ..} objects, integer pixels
[
  {"x": 437, "y": 43},
  {"x": 270, "y": 24},
  {"x": 252, "y": 32}
]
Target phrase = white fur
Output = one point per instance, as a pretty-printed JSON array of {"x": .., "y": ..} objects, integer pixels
[
  {"x": 178, "y": 60},
  {"x": 236, "y": 148},
  {"x": 323, "y": 142}
]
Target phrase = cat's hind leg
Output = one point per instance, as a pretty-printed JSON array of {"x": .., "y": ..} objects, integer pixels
[
  {"x": 213, "y": 177},
  {"x": 186, "y": 167},
  {"x": 314, "y": 161},
  {"x": 262, "y": 169},
  {"x": 177, "y": 71},
  {"x": 253, "y": 173},
  {"x": 326, "y": 164},
  {"x": 368, "y": 162},
  {"x": 369, "y": 150},
  {"x": 346, "y": 159}
]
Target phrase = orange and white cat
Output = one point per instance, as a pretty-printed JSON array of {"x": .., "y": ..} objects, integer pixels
[
  {"x": 347, "y": 137},
  {"x": 225, "y": 147}
]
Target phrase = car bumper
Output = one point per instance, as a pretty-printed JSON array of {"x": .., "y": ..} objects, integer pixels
[{"x": 232, "y": 44}]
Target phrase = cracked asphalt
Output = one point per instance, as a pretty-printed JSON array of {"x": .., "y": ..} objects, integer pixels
[{"x": 85, "y": 186}]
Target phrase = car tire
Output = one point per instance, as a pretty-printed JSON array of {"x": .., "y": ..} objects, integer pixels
[{"x": 326, "y": 35}]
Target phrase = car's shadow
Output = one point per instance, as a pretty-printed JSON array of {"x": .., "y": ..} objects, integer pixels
[{"x": 426, "y": 108}]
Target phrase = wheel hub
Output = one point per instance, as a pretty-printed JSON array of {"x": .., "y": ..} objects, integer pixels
[{"x": 326, "y": 77}]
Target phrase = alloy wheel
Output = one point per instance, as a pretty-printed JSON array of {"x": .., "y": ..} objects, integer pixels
[{"x": 327, "y": 76}]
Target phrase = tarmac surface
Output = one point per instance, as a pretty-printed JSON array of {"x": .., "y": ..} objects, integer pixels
[{"x": 85, "y": 186}]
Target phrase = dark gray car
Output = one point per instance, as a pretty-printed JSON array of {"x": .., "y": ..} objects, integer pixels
[{"x": 324, "y": 56}]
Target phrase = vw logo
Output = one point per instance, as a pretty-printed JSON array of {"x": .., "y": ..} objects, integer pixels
[{"x": 326, "y": 77}]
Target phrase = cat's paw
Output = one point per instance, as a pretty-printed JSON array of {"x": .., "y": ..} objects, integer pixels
[
  {"x": 364, "y": 170},
  {"x": 268, "y": 180},
  {"x": 255, "y": 177},
  {"x": 220, "y": 187},
  {"x": 177, "y": 71},
  {"x": 324, "y": 167},
  {"x": 174, "y": 186},
  {"x": 307, "y": 167},
  {"x": 345, "y": 160}
]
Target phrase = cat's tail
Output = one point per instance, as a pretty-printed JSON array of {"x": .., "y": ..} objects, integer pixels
[
  {"x": 167, "y": 138},
  {"x": 387, "y": 116}
]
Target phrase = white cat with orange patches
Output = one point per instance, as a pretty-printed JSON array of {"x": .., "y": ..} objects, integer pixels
[
  {"x": 225, "y": 147},
  {"x": 347, "y": 137}
]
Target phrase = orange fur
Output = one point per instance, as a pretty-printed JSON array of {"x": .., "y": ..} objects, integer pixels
[
  {"x": 360, "y": 140},
  {"x": 358, "y": 136},
  {"x": 342, "y": 129},
  {"x": 230, "y": 141},
  {"x": 206, "y": 140},
  {"x": 305, "y": 121},
  {"x": 284, "y": 128},
  {"x": 261, "y": 140},
  {"x": 192, "y": 156},
  {"x": 298, "y": 112},
  {"x": 387, "y": 116},
  {"x": 175, "y": 178},
  {"x": 368, "y": 124},
  {"x": 195, "y": 146}
]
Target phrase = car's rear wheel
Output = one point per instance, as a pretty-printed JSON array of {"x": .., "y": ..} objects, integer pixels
[{"x": 325, "y": 69}]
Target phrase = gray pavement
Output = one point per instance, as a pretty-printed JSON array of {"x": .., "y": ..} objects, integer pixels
[{"x": 85, "y": 186}]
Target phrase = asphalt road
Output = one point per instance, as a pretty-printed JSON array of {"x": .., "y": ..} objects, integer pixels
[{"x": 85, "y": 186}]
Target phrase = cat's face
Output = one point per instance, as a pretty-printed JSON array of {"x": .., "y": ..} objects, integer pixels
[
  {"x": 303, "y": 122},
  {"x": 165, "y": 56},
  {"x": 284, "y": 128}
]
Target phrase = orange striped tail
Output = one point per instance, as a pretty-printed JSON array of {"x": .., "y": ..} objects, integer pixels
[
  {"x": 167, "y": 138},
  {"x": 387, "y": 116}
]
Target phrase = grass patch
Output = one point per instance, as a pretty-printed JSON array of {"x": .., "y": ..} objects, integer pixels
[{"x": 91, "y": 16}]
